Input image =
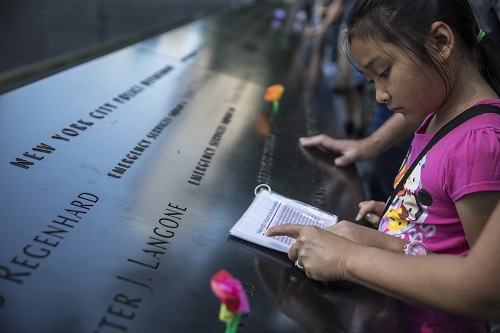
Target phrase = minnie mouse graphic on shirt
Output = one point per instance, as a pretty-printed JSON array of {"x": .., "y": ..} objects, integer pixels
[{"x": 409, "y": 208}]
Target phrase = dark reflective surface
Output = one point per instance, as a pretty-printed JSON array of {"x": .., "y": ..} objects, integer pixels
[
  {"x": 34, "y": 31},
  {"x": 137, "y": 164},
  {"x": 328, "y": 307}
]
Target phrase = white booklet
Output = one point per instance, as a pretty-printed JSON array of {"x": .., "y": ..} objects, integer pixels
[{"x": 269, "y": 209}]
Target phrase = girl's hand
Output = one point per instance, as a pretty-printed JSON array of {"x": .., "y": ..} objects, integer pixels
[
  {"x": 371, "y": 211},
  {"x": 323, "y": 254}
]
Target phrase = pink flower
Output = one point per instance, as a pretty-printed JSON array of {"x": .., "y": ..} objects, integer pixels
[{"x": 230, "y": 292}]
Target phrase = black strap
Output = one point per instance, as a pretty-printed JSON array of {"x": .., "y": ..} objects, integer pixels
[{"x": 455, "y": 122}]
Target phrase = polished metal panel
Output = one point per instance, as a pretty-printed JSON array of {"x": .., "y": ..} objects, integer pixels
[
  {"x": 121, "y": 178},
  {"x": 37, "y": 31}
]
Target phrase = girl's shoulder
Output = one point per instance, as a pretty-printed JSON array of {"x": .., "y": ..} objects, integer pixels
[
  {"x": 490, "y": 120},
  {"x": 487, "y": 120},
  {"x": 493, "y": 101}
]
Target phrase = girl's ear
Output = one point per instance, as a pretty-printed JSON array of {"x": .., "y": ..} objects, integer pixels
[{"x": 443, "y": 40}]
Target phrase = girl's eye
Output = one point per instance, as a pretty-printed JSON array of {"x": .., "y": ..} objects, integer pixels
[
  {"x": 384, "y": 74},
  {"x": 371, "y": 82}
]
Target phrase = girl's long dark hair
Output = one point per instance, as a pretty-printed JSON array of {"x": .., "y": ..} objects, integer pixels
[{"x": 406, "y": 23}]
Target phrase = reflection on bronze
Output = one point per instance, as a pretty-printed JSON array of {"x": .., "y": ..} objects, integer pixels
[{"x": 328, "y": 307}]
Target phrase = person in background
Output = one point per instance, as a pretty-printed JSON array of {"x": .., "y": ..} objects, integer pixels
[
  {"x": 350, "y": 84},
  {"x": 347, "y": 81},
  {"x": 388, "y": 145},
  {"x": 488, "y": 16},
  {"x": 429, "y": 68}
]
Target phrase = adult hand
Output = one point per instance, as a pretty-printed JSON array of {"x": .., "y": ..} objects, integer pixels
[
  {"x": 322, "y": 253},
  {"x": 350, "y": 150}
]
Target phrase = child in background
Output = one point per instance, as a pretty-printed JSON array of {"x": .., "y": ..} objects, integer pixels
[{"x": 429, "y": 61}]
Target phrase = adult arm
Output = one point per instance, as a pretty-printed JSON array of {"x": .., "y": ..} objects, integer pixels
[
  {"x": 391, "y": 132},
  {"x": 333, "y": 13}
]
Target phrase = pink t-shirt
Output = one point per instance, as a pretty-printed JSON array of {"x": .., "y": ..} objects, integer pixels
[{"x": 465, "y": 161}]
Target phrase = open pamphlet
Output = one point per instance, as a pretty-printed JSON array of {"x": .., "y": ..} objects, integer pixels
[{"x": 269, "y": 209}]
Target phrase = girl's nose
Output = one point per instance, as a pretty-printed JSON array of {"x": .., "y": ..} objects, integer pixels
[{"x": 382, "y": 96}]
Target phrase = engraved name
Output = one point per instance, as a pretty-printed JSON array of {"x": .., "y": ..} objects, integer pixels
[
  {"x": 123, "y": 308},
  {"x": 44, "y": 243}
]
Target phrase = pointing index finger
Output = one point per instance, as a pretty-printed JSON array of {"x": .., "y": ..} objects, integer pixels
[{"x": 290, "y": 230}]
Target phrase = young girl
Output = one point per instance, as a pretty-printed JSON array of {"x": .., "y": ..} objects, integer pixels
[{"x": 428, "y": 60}]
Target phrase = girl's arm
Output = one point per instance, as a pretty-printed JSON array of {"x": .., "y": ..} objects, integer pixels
[
  {"x": 462, "y": 285},
  {"x": 473, "y": 210},
  {"x": 367, "y": 236}
]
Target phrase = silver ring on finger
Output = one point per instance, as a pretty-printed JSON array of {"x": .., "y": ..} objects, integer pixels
[{"x": 299, "y": 265}]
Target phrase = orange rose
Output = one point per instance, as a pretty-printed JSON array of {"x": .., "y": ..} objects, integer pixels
[{"x": 274, "y": 93}]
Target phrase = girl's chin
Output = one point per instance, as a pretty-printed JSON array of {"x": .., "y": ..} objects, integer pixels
[{"x": 409, "y": 117}]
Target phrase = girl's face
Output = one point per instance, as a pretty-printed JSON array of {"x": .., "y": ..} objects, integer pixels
[{"x": 401, "y": 81}]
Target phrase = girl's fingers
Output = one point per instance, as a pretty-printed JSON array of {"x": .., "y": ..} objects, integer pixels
[
  {"x": 290, "y": 230},
  {"x": 365, "y": 208}
]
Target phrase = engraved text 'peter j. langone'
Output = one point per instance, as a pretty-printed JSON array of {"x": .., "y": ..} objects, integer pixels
[{"x": 123, "y": 307}]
